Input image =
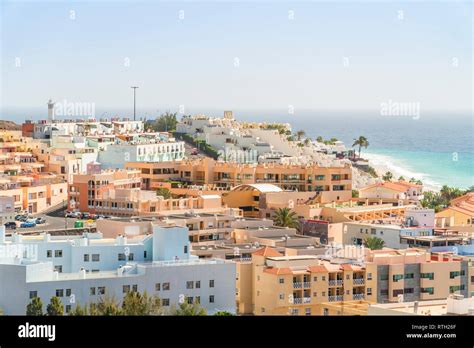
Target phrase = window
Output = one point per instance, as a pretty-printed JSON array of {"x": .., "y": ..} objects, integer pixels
[
  {"x": 92, "y": 291},
  {"x": 95, "y": 257},
  {"x": 282, "y": 296},
  {"x": 453, "y": 275},
  {"x": 427, "y": 275},
  {"x": 384, "y": 277},
  {"x": 121, "y": 257},
  {"x": 68, "y": 308},
  {"x": 397, "y": 292},
  {"x": 369, "y": 276},
  {"x": 59, "y": 292},
  {"x": 455, "y": 288},
  {"x": 326, "y": 311},
  {"x": 409, "y": 276},
  {"x": 428, "y": 290},
  {"x": 157, "y": 287},
  {"x": 58, "y": 253},
  {"x": 315, "y": 279},
  {"x": 49, "y": 253},
  {"x": 185, "y": 249},
  {"x": 472, "y": 279},
  {"x": 397, "y": 277},
  {"x": 323, "y": 293},
  {"x": 198, "y": 284},
  {"x": 315, "y": 294},
  {"x": 189, "y": 300},
  {"x": 130, "y": 257},
  {"x": 211, "y": 283},
  {"x": 263, "y": 310},
  {"x": 165, "y": 302},
  {"x": 101, "y": 290},
  {"x": 211, "y": 299},
  {"x": 308, "y": 311},
  {"x": 408, "y": 290},
  {"x": 33, "y": 294},
  {"x": 384, "y": 292},
  {"x": 144, "y": 254},
  {"x": 323, "y": 278},
  {"x": 125, "y": 289},
  {"x": 190, "y": 285},
  {"x": 197, "y": 299},
  {"x": 58, "y": 268},
  {"x": 135, "y": 288},
  {"x": 282, "y": 280},
  {"x": 86, "y": 257},
  {"x": 68, "y": 292},
  {"x": 369, "y": 291},
  {"x": 166, "y": 286}
]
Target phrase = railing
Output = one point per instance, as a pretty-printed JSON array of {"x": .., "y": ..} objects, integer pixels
[
  {"x": 358, "y": 281},
  {"x": 306, "y": 285},
  {"x": 297, "y": 300},
  {"x": 335, "y": 282},
  {"x": 297, "y": 285},
  {"x": 335, "y": 298},
  {"x": 306, "y": 299},
  {"x": 358, "y": 297}
]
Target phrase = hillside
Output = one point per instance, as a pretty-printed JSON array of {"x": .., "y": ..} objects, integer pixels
[{"x": 9, "y": 125}]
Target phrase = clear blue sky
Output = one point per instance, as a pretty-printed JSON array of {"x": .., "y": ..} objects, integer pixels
[{"x": 190, "y": 61}]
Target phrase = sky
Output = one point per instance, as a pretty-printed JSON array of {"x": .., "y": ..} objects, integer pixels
[{"x": 349, "y": 55}]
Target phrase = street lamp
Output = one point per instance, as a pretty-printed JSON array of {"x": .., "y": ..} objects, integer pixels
[{"x": 134, "y": 101}]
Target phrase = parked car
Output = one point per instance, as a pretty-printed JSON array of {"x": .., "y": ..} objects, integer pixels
[
  {"x": 85, "y": 216},
  {"x": 11, "y": 225},
  {"x": 40, "y": 220},
  {"x": 21, "y": 217},
  {"x": 73, "y": 214},
  {"x": 194, "y": 152},
  {"x": 27, "y": 224}
]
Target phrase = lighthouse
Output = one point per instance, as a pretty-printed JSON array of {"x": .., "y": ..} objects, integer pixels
[{"x": 50, "y": 111}]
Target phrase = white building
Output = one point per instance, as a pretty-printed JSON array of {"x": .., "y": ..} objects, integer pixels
[
  {"x": 115, "y": 155},
  {"x": 82, "y": 269}
]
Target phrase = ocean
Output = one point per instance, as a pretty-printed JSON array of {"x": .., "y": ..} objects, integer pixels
[{"x": 437, "y": 148}]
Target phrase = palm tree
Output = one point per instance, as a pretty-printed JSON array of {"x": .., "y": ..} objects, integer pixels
[
  {"x": 300, "y": 134},
  {"x": 388, "y": 176},
  {"x": 402, "y": 178},
  {"x": 361, "y": 142},
  {"x": 284, "y": 217},
  {"x": 164, "y": 192},
  {"x": 307, "y": 141},
  {"x": 374, "y": 243},
  {"x": 412, "y": 180}
]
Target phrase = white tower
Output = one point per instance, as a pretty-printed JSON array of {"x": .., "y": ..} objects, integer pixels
[{"x": 50, "y": 111}]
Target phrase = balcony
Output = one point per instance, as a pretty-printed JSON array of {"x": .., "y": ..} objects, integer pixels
[
  {"x": 357, "y": 297},
  {"x": 307, "y": 285},
  {"x": 297, "y": 285},
  {"x": 358, "y": 281},
  {"x": 306, "y": 299},
  {"x": 335, "y": 282},
  {"x": 301, "y": 300},
  {"x": 335, "y": 298}
]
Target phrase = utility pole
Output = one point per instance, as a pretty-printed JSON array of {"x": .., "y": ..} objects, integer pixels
[{"x": 134, "y": 101}]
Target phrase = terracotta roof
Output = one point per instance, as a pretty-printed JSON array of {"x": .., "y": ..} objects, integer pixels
[
  {"x": 317, "y": 269},
  {"x": 267, "y": 252},
  {"x": 278, "y": 270},
  {"x": 346, "y": 267},
  {"x": 401, "y": 186}
]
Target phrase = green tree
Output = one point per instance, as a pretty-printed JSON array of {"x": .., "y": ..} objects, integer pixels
[
  {"x": 362, "y": 142},
  {"x": 186, "y": 309},
  {"x": 412, "y": 180},
  {"x": 401, "y": 178},
  {"x": 374, "y": 243},
  {"x": 419, "y": 182},
  {"x": 300, "y": 134},
  {"x": 307, "y": 141},
  {"x": 135, "y": 303},
  {"x": 78, "y": 310},
  {"x": 35, "y": 307},
  {"x": 355, "y": 194},
  {"x": 108, "y": 306},
  {"x": 224, "y": 314},
  {"x": 319, "y": 139},
  {"x": 284, "y": 217},
  {"x": 388, "y": 176},
  {"x": 164, "y": 192},
  {"x": 55, "y": 307},
  {"x": 165, "y": 123}
]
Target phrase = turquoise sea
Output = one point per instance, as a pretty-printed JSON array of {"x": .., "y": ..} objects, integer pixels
[{"x": 437, "y": 147}]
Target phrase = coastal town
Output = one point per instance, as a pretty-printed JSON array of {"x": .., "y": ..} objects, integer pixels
[{"x": 214, "y": 216}]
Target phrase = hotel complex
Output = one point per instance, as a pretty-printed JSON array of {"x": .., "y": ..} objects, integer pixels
[{"x": 274, "y": 224}]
